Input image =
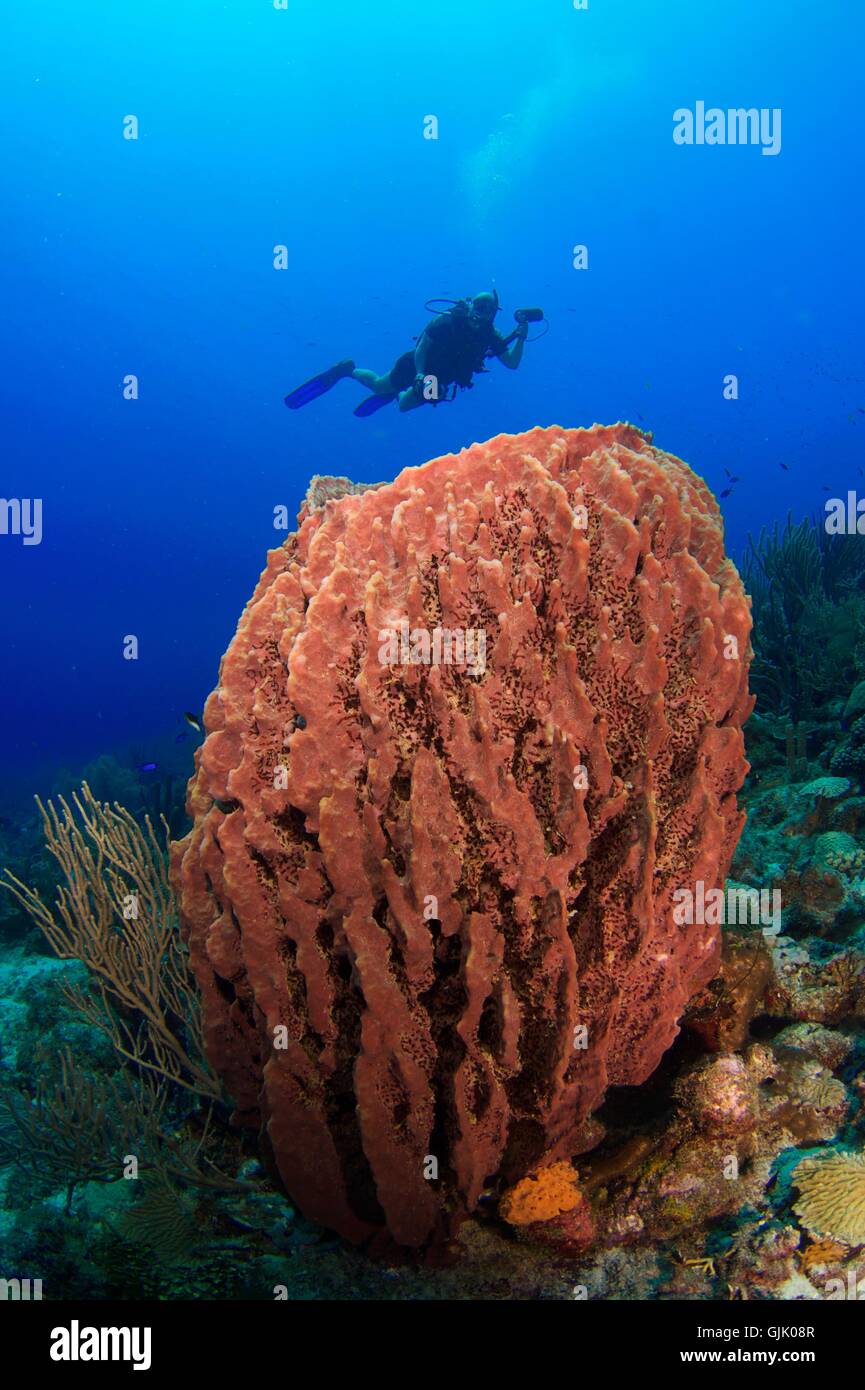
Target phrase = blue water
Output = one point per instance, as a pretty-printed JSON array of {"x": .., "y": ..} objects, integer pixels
[{"x": 304, "y": 127}]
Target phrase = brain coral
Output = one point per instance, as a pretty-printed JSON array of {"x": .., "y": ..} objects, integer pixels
[{"x": 428, "y": 890}]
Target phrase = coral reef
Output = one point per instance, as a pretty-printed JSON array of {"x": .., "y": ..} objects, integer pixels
[
  {"x": 815, "y": 989},
  {"x": 429, "y": 902},
  {"x": 732, "y": 1116},
  {"x": 733, "y": 1171},
  {"x": 804, "y": 839},
  {"x": 849, "y": 757},
  {"x": 721, "y": 1141},
  {"x": 808, "y": 594},
  {"x": 720, "y": 1015}
]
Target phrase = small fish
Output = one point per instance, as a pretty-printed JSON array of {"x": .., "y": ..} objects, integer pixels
[
  {"x": 192, "y": 720},
  {"x": 726, "y": 492},
  {"x": 148, "y": 767},
  {"x": 784, "y": 466},
  {"x": 299, "y": 721},
  {"x": 728, "y": 473},
  {"x": 824, "y": 489}
]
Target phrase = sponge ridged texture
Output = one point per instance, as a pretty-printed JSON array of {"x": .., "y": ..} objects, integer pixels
[{"x": 408, "y": 888}]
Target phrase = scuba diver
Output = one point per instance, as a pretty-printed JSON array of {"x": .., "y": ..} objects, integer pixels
[{"x": 451, "y": 350}]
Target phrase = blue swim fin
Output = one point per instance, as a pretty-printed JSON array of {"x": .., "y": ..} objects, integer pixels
[
  {"x": 318, "y": 385},
  {"x": 371, "y": 405}
]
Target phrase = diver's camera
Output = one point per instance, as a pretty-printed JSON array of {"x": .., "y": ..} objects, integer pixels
[{"x": 529, "y": 315}]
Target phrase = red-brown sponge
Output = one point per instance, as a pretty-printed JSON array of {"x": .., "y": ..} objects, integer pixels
[{"x": 430, "y": 905}]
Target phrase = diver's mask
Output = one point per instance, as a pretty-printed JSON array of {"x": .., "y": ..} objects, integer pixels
[{"x": 490, "y": 307}]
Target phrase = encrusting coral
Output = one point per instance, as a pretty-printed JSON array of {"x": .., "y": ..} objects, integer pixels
[{"x": 429, "y": 899}]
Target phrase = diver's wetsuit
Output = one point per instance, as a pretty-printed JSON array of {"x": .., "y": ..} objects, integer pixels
[
  {"x": 456, "y": 352},
  {"x": 403, "y": 372}
]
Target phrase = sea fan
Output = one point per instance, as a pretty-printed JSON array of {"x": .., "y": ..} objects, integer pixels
[
  {"x": 832, "y": 1196},
  {"x": 163, "y": 1221}
]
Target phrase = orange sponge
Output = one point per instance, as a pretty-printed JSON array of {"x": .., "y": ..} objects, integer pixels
[{"x": 541, "y": 1196}]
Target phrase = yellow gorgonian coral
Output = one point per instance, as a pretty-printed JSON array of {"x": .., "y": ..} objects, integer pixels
[{"x": 832, "y": 1196}]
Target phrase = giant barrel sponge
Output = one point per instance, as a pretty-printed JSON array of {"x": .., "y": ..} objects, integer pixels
[{"x": 475, "y": 729}]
